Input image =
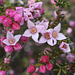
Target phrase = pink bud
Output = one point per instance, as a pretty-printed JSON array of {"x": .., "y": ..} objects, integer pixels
[
  {"x": 7, "y": 12},
  {"x": 45, "y": 59},
  {"x": 2, "y": 72},
  {"x": 49, "y": 66},
  {"x": 2, "y": 44},
  {"x": 17, "y": 47},
  {"x": 18, "y": 18},
  {"x": 31, "y": 69},
  {"x": 24, "y": 39},
  {"x": 7, "y": 22},
  {"x": 2, "y": 18},
  {"x": 42, "y": 69},
  {"x": 1, "y": 1},
  {"x": 15, "y": 26},
  {"x": 35, "y": 73},
  {"x": 6, "y": 60},
  {"x": 12, "y": 13},
  {"x": 42, "y": 10},
  {"x": 8, "y": 48}
]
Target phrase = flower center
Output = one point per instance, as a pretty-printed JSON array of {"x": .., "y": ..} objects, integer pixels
[
  {"x": 54, "y": 34},
  {"x": 47, "y": 35},
  {"x": 11, "y": 41},
  {"x": 64, "y": 46},
  {"x": 33, "y": 30},
  {"x": 29, "y": 15}
]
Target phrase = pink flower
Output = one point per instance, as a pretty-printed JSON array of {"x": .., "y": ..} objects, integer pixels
[
  {"x": 12, "y": 12},
  {"x": 7, "y": 22},
  {"x": 10, "y": 39},
  {"x": 32, "y": 31},
  {"x": 31, "y": 2},
  {"x": 24, "y": 39},
  {"x": 38, "y": 5},
  {"x": 15, "y": 26},
  {"x": 2, "y": 72},
  {"x": 49, "y": 66},
  {"x": 69, "y": 30},
  {"x": 65, "y": 47},
  {"x": 45, "y": 59},
  {"x": 28, "y": 16},
  {"x": 46, "y": 37},
  {"x": 42, "y": 69},
  {"x": 72, "y": 23},
  {"x": 2, "y": 18},
  {"x": 36, "y": 14},
  {"x": 55, "y": 35},
  {"x": 42, "y": 10},
  {"x": 70, "y": 57},
  {"x": 35, "y": 73},
  {"x": 2, "y": 38},
  {"x": 17, "y": 47},
  {"x": 53, "y": 2},
  {"x": 42, "y": 26},
  {"x": 20, "y": 10},
  {"x": 18, "y": 18},
  {"x": 31, "y": 69},
  {"x": 22, "y": 21},
  {"x": 8, "y": 48},
  {"x": 6, "y": 60},
  {"x": 1, "y": 1}
]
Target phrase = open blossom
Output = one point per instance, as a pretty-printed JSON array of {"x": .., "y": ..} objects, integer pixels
[
  {"x": 10, "y": 39},
  {"x": 70, "y": 57},
  {"x": 42, "y": 26},
  {"x": 55, "y": 35},
  {"x": 32, "y": 31},
  {"x": 2, "y": 72},
  {"x": 36, "y": 14},
  {"x": 28, "y": 16},
  {"x": 65, "y": 47}
]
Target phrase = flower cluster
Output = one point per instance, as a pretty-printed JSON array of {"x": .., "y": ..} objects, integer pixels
[{"x": 42, "y": 68}]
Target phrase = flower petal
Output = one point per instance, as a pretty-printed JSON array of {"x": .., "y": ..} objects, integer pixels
[
  {"x": 27, "y": 33},
  {"x": 42, "y": 40},
  {"x": 17, "y": 37},
  {"x": 61, "y": 36},
  {"x": 52, "y": 42},
  {"x": 9, "y": 35},
  {"x": 35, "y": 37},
  {"x": 6, "y": 42},
  {"x": 58, "y": 27},
  {"x": 30, "y": 24}
]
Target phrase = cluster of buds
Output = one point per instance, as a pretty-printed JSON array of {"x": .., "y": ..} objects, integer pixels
[{"x": 42, "y": 68}]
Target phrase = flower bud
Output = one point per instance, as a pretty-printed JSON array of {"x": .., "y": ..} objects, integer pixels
[
  {"x": 7, "y": 22},
  {"x": 2, "y": 18},
  {"x": 17, "y": 47},
  {"x": 2, "y": 72},
  {"x": 49, "y": 66},
  {"x": 42, "y": 69},
  {"x": 15, "y": 26},
  {"x": 6, "y": 60},
  {"x": 18, "y": 18},
  {"x": 45, "y": 59},
  {"x": 8, "y": 48},
  {"x": 24, "y": 39},
  {"x": 31, "y": 69}
]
